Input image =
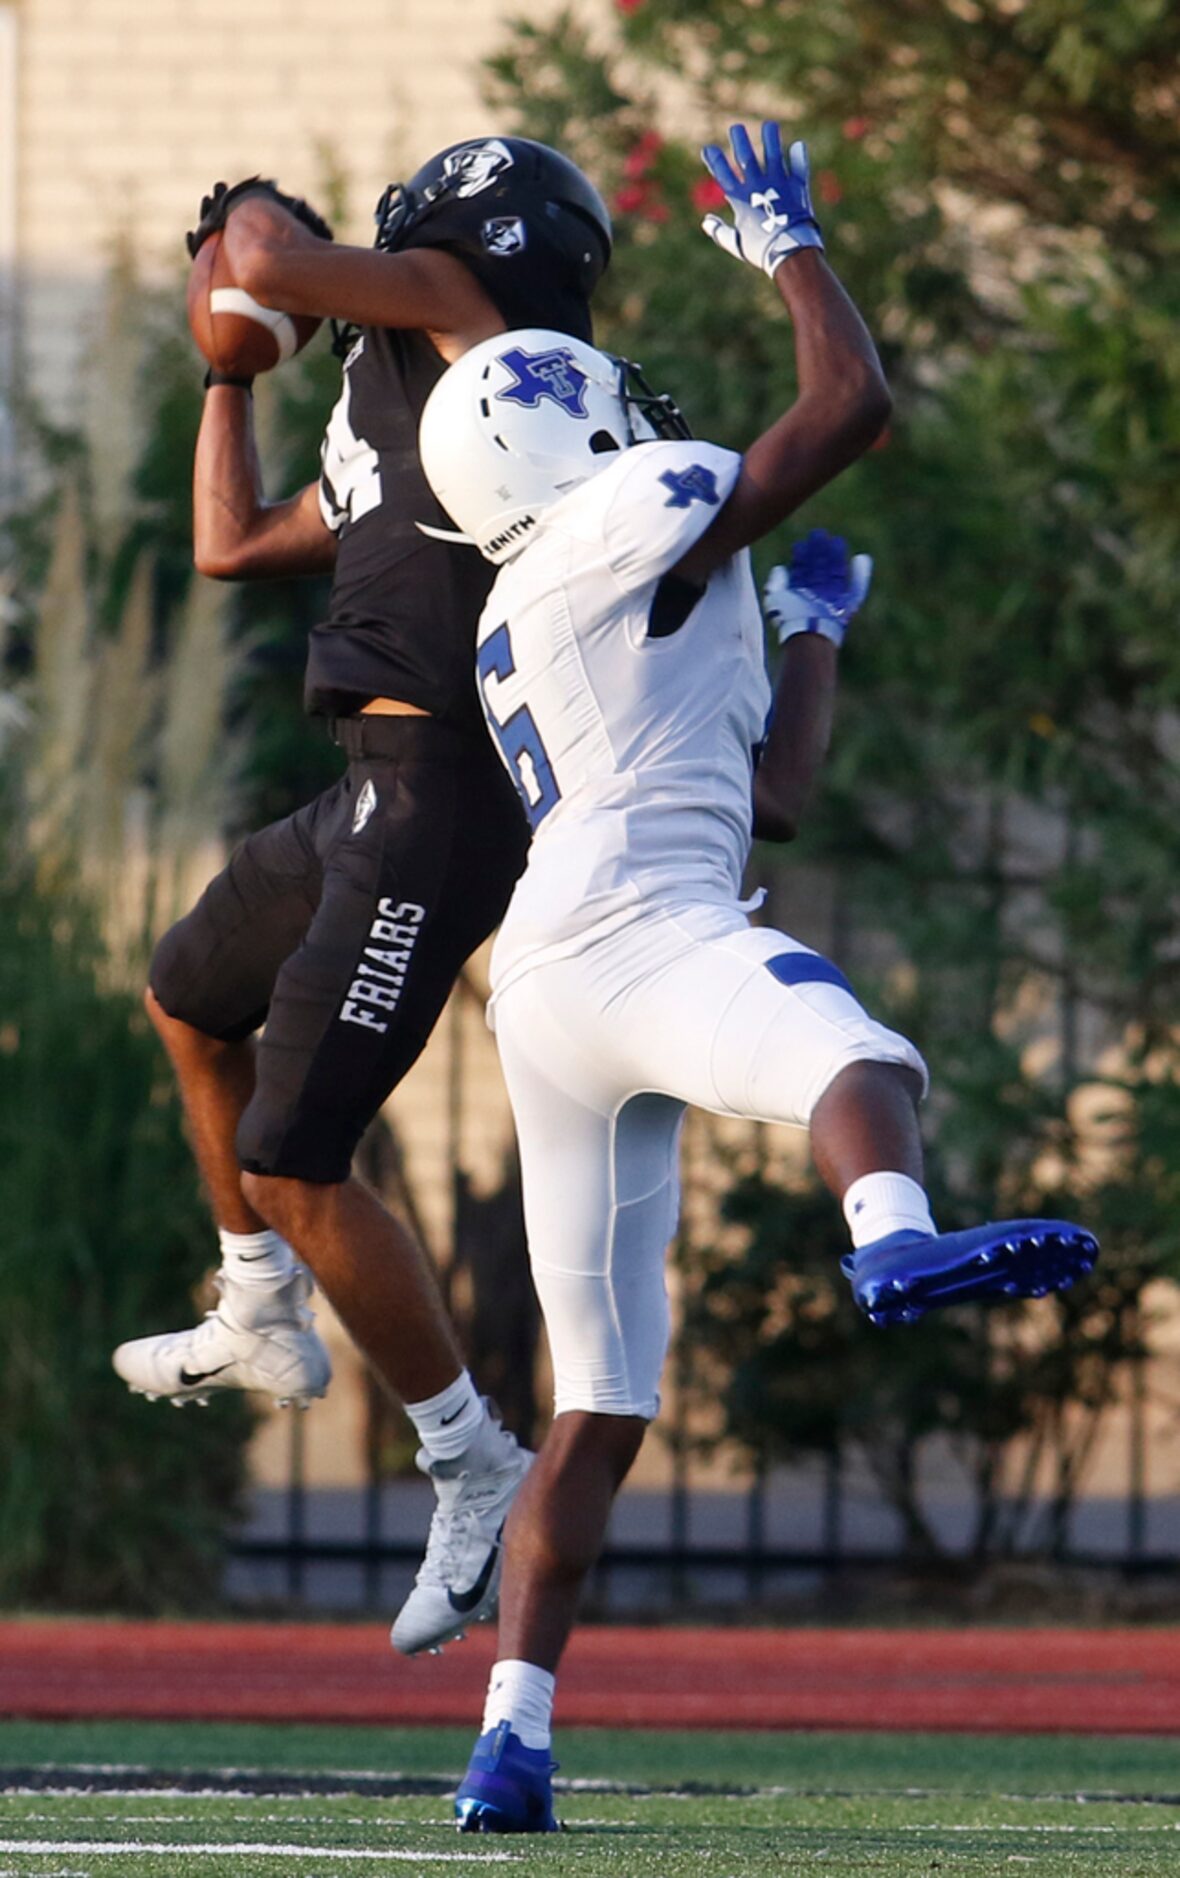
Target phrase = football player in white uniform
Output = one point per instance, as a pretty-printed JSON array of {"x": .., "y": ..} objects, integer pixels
[{"x": 621, "y": 665}]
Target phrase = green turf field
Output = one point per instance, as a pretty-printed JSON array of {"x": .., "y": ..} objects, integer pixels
[{"x": 303, "y": 1801}]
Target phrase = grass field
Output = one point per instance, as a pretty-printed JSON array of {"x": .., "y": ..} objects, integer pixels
[{"x": 233, "y": 1800}]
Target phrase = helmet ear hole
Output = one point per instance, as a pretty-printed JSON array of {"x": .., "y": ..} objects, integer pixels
[{"x": 602, "y": 441}]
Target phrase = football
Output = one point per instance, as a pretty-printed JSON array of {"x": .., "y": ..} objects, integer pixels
[{"x": 233, "y": 331}]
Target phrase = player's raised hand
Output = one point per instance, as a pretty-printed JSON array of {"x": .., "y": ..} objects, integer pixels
[
  {"x": 216, "y": 206},
  {"x": 770, "y": 200},
  {"x": 820, "y": 591}
]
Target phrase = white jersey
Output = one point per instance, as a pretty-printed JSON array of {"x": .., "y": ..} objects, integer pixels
[{"x": 633, "y": 753}]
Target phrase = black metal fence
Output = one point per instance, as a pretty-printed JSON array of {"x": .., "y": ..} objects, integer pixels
[{"x": 675, "y": 1568}]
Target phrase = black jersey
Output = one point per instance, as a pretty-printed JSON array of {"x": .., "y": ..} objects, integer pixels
[{"x": 405, "y": 605}]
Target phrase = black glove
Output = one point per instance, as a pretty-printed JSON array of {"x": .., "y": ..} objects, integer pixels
[{"x": 216, "y": 207}]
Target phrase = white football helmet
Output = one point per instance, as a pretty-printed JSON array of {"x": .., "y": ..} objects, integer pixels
[{"x": 522, "y": 419}]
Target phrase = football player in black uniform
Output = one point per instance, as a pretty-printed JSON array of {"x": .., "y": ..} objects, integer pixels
[{"x": 344, "y": 927}]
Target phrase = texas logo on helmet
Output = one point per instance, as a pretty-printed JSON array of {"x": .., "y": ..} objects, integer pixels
[
  {"x": 554, "y": 374},
  {"x": 476, "y": 166}
]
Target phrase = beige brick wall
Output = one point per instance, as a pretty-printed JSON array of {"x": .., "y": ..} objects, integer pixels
[{"x": 128, "y": 109}]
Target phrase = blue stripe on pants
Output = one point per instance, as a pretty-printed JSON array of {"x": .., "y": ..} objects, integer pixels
[{"x": 807, "y": 968}]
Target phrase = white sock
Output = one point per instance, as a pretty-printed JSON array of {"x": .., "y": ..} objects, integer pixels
[
  {"x": 522, "y": 1694},
  {"x": 448, "y": 1423},
  {"x": 878, "y": 1204},
  {"x": 260, "y": 1261}
]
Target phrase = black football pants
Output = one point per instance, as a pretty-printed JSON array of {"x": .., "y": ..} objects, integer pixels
[{"x": 342, "y": 930}]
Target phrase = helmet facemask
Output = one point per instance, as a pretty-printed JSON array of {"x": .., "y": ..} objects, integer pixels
[
  {"x": 403, "y": 208},
  {"x": 657, "y": 409}
]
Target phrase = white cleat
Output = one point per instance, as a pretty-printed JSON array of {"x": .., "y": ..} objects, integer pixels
[
  {"x": 458, "y": 1582},
  {"x": 264, "y": 1341}
]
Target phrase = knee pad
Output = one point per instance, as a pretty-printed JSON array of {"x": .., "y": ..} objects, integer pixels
[
  {"x": 286, "y": 1142},
  {"x": 609, "y": 1324},
  {"x": 186, "y": 987},
  {"x": 175, "y": 982}
]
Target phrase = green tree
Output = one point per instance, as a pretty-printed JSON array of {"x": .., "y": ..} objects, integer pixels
[
  {"x": 103, "y": 1233},
  {"x": 119, "y": 771}
]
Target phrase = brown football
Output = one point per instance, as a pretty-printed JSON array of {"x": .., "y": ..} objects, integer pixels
[{"x": 236, "y": 334}]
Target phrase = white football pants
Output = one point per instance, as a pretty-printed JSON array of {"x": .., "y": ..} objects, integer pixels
[{"x": 601, "y": 1052}]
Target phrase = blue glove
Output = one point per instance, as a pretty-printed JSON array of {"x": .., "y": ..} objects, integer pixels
[
  {"x": 820, "y": 592},
  {"x": 771, "y": 201}
]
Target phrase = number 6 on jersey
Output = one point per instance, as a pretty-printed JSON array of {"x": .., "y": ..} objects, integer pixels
[{"x": 517, "y": 734}]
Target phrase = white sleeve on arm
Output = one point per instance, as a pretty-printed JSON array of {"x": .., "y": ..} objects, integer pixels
[{"x": 662, "y": 502}]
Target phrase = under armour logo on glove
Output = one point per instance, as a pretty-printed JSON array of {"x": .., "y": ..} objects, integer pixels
[
  {"x": 695, "y": 484},
  {"x": 554, "y": 374},
  {"x": 773, "y": 217},
  {"x": 821, "y": 591},
  {"x": 771, "y": 200}
]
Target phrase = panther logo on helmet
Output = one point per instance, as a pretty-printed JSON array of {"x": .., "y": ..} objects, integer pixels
[
  {"x": 554, "y": 374},
  {"x": 476, "y": 166},
  {"x": 504, "y": 234}
]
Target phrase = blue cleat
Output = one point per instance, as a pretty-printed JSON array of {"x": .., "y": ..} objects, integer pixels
[
  {"x": 899, "y": 1278},
  {"x": 506, "y": 1787}
]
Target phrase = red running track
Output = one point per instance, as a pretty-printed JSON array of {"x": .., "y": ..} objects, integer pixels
[{"x": 1081, "y": 1681}]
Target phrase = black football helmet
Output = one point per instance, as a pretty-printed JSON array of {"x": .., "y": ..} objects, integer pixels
[{"x": 498, "y": 196}]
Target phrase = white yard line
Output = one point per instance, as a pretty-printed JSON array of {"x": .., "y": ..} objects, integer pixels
[
  {"x": 1083, "y": 1831},
  {"x": 96, "y": 1848}
]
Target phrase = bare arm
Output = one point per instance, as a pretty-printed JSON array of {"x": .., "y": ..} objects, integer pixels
[
  {"x": 800, "y": 731},
  {"x": 237, "y": 534},
  {"x": 841, "y": 407},
  {"x": 282, "y": 264}
]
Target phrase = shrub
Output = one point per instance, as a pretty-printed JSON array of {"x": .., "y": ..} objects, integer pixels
[{"x": 104, "y": 1500}]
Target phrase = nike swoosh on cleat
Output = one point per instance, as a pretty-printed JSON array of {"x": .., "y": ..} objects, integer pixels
[
  {"x": 190, "y": 1378},
  {"x": 465, "y": 1601}
]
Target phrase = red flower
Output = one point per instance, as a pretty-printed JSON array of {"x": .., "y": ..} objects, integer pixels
[
  {"x": 642, "y": 155},
  {"x": 855, "y": 128},
  {"x": 707, "y": 193},
  {"x": 628, "y": 6},
  {"x": 643, "y": 199},
  {"x": 631, "y": 197},
  {"x": 827, "y": 185}
]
